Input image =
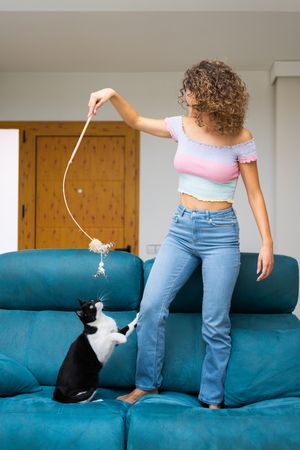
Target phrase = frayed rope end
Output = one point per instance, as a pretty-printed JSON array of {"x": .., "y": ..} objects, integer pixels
[{"x": 97, "y": 246}]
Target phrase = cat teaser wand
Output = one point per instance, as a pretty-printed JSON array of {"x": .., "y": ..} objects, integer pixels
[{"x": 95, "y": 245}]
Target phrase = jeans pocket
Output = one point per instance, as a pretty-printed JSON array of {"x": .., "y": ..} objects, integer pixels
[
  {"x": 175, "y": 217},
  {"x": 224, "y": 221}
]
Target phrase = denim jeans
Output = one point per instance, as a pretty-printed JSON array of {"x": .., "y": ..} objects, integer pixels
[{"x": 213, "y": 237}]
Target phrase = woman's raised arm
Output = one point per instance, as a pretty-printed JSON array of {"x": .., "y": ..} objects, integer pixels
[{"x": 157, "y": 127}]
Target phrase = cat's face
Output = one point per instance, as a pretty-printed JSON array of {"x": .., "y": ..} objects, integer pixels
[{"x": 90, "y": 310}]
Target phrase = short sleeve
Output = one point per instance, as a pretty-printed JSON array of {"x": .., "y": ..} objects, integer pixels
[
  {"x": 246, "y": 152},
  {"x": 173, "y": 126}
]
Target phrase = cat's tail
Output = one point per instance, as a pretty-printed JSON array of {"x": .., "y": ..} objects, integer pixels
[{"x": 79, "y": 397}]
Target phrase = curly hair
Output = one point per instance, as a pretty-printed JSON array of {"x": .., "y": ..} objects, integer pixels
[{"x": 219, "y": 92}]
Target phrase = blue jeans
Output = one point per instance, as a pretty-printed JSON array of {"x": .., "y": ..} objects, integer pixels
[{"x": 212, "y": 236}]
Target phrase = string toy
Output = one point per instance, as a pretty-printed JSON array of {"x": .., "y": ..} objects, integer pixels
[{"x": 95, "y": 245}]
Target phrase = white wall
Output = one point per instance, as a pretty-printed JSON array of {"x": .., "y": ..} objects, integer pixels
[
  {"x": 287, "y": 187},
  {"x": 9, "y": 185},
  {"x": 65, "y": 96}
]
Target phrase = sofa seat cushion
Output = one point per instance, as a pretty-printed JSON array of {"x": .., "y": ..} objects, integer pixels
[
  {"x": 37, "y": 422},
  {"x": 176, "y": 420}
]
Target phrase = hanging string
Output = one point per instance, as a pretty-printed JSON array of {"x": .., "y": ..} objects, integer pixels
[{"x": 95, "y": 245}]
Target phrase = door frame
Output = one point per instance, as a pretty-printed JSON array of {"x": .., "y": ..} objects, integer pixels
[{"x": 28, "y": 132}]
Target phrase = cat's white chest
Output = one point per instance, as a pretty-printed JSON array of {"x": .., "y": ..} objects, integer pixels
[{"x": 101, "y": 341}]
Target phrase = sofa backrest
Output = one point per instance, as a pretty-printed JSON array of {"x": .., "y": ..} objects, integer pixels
[
  {"x": 53, "y": 279},
  {"x": 278, "y": 293}
]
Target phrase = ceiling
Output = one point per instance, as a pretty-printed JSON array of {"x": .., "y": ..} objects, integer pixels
[{"x": 150, "y": 37}]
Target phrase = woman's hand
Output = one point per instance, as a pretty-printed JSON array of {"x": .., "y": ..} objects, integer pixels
[
  {"x": 98, "y": 98},
  {"x": 265, "y": 261}
]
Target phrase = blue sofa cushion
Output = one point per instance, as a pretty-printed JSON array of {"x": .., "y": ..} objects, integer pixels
[
  {"x": 53, "y": 279},
  {"x": 36, "y": 421},
  {"x": 278, "y": 293},
  {"x": 264, "y": 364},
  {"x": 176, "y": 420},
  {"x": 15, "y": 378},
  {"x": 40, "y": 340}
]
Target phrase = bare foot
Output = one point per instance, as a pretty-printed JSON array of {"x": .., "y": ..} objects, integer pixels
[
  {"x": 212, "y": 406},
  {"x": 135, "y": 395}
]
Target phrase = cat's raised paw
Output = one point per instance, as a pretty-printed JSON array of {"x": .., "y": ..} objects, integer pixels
[
  {"x": 122, "y": 339},
  {"x": 135, "y": 320}
]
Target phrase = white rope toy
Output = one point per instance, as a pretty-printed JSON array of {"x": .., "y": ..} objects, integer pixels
[{"x": 95, "y": 245}]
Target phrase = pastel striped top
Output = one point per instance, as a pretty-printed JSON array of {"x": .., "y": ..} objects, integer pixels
[{"x": 208, "y": 172}]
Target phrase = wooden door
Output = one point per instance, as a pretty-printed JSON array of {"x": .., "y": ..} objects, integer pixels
[{"x": 102, "y": 184}]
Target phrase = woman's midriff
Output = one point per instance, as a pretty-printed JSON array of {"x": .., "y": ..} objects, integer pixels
[{"x": 193, "y": 203}]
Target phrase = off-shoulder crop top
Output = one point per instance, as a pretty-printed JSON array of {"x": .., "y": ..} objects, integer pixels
[{"x": 208, "y": 172}]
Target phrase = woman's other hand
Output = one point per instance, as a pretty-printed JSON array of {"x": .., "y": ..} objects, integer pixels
[
  {"x": 265, "y": 262},
  {"x": 98, "y": 98}
]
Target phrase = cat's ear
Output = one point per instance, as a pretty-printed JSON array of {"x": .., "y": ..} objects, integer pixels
[
  {"x": 79, "y": 312},
  {"x": 81, "y": 302}
]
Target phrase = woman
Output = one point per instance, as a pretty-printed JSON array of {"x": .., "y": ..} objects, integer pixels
[{"x": 213, "y": 149}]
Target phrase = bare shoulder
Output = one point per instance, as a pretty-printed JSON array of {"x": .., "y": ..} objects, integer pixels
[{"x": 245, "y": 135}]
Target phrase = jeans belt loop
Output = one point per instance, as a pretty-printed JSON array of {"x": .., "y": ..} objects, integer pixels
[{"x": 182, "y": 212}]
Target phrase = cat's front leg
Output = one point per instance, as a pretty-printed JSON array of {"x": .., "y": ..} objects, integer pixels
[
  {"x": 128, "y": 329},
  {"x": 118, "y": 338}
]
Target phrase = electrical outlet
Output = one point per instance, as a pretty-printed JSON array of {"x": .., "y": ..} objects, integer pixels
[{"x": 150, "y": 248}]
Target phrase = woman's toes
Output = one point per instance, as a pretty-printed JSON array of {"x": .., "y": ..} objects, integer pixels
[
  {"x": 136, "y": 394},
  {"x": 121, "y": 397}
]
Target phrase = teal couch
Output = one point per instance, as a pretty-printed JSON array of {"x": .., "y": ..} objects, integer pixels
[{"x": 38, "y": 297}]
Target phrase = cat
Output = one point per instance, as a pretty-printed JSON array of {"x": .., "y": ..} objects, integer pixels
[{"x": 77, "y": 379}]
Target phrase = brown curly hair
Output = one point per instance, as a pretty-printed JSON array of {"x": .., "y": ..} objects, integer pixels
[{"x": 219, "y": 92}]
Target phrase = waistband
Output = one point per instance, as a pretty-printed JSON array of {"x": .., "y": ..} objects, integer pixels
[{"x": 207, "y": 213}]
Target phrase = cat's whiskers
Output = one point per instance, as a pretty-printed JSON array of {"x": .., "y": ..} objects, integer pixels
[{"x": 102, "y": 299}]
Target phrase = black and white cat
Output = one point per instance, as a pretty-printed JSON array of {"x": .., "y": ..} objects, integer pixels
[{"x": 77, "y": 379}]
